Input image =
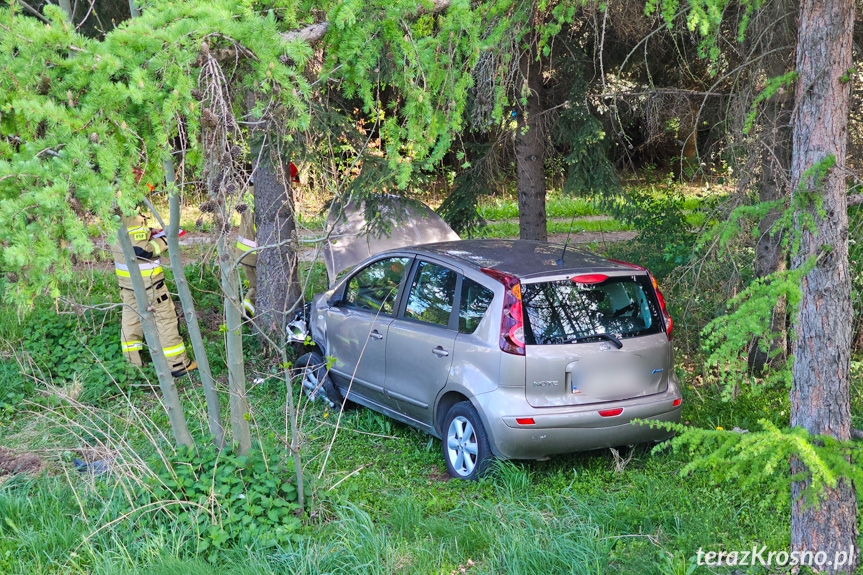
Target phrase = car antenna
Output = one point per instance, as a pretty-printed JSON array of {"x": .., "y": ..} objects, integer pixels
[{"x": 559, "y": 261}]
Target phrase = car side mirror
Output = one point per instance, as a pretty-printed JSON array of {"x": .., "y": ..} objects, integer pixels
[{"x": 335, "y": 300}]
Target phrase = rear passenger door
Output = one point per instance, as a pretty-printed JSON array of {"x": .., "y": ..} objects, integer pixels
[{"x": 420, "y": 341}]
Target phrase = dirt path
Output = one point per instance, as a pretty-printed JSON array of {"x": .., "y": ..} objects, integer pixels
[
  {"x": 197, "y": 245},
  {"x": 12, "y": 463},
  {"x": 577, "y": 238}
]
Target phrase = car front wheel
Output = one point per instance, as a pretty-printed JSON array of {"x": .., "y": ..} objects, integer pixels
[
  {"x": 316, "y": 382},
  {"x": 465, "y": 443}
]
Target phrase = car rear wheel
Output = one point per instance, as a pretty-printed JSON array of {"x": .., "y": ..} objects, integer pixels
[
  {"x": 316, "y": 382},
  {"x": 466, "y": 448}
]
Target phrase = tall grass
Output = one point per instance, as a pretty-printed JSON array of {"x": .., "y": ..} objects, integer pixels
[{"x": 510, "y": 229}]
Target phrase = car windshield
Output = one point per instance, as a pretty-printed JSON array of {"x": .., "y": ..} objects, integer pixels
[{"x": 565, "y": 311}]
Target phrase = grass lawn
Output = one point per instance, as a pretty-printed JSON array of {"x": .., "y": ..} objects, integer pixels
[{"x": 382, "y": 503}]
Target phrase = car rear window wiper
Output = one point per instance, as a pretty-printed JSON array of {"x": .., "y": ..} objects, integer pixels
[{"x": 608, "y": 336}]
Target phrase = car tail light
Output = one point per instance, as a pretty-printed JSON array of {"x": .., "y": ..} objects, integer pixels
[
  {"x": 676, "y": 402},
  {"x": 524, "y": 420},
  {"x": 590, "y": 279},
  {"x": 610, "y": 412},
  {"x": 511, "y": 321},
  {"x": 666, "y": 316},
  {"x": 669, "y": 323}
]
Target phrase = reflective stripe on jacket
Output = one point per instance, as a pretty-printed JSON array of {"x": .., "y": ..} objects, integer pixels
[
  {"x": 141, "y": 236},
  {"x": 246, "y": 240}
]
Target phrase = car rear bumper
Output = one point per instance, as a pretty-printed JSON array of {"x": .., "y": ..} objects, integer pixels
[{"x": 556, "y": 431}]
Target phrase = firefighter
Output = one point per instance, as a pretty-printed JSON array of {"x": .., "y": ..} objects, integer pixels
[
  {"x": 246, "y": 249},
  {"x": 148, "y": 245},
  {"x": 246, "y": 245}
]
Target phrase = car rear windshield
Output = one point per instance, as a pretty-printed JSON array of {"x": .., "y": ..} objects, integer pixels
[{"x": 566, "y": 311}]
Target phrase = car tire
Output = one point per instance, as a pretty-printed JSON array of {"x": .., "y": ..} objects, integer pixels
[
  {"x": 314, "y": 373},
  {"x": 466, "y": 449}
]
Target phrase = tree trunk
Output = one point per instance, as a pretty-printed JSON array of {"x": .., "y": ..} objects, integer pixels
[
  {"x": 234, "y": 335},
  {"x": 134, "y": 11},
  {"x": 530, "y": 150},
  {"x": 211, "y": 394},
  {"x": 775, "y": 150},
  {"x": 820, "y": 391},
  {"x": 276, "y": 235},
  {"x": 66, "y": 6},
  {"x": 166, "y": 382},
  {"x": 290, "y": 407}
]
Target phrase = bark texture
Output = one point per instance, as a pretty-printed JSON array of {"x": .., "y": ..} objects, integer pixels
[
  {"x": 276, "y": 235},
  {"x": 775, "y": 26},
  {"x": 820, "y": 392},
  {"x": 530, "y": 150}
]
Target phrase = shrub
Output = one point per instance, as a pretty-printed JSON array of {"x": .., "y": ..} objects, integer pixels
[
  {"x": 226, "y": 501},
  {"x": 14, "y": 389},
  {"x": 69, "y": 347}
]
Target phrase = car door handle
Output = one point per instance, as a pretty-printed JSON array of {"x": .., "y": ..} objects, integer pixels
[
  {"x": 376, "y": 335},
  {"x": 440, "y": 352}
]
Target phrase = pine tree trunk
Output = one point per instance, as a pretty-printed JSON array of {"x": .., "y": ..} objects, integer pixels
[
  {"x": 278, "y": 278},
  {"x": 530, "y": 153},
  {"x": 820, "y": 395},
  {"x": 151, "y": 334},
  {"x": 775, "y": 144}
]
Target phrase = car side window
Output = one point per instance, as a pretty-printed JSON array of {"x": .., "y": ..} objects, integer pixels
[
  {"x": 432, "y": 294},
  {"x": 475, "y": 299},
  {"x": 375, "y": 287}
]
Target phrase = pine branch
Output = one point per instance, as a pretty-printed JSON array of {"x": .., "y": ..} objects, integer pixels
[{"x": 315, "y": 32}]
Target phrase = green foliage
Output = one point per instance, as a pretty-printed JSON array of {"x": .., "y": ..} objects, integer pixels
[
  {"x": 426, "y": 59},
  {"x": 589, "y": 172},
  {"x": 77, "y": 114},
  {"x": 556, "y": 206},
  {"x": 705, "y": 17},
  {"x": 664, "y": 232},
  {"x": 85, "y": 350},
  {"x": 728, "y": 337},
  {"x": 764, "y": 457},
  {"x": 226, "y": 500},
  {"x": 14, "y": 389},
  {"x": 461, "y": 208},
  {"x": 772, "y": 86}
]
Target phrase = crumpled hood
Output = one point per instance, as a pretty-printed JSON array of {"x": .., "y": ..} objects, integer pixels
[{"x": 410, "y": 222}]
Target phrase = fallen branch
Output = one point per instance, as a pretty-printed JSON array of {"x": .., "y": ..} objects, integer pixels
[{"x": 856, "y": 434}]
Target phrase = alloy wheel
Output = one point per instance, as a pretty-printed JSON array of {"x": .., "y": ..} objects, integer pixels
[{"x": 462, "y": 446}]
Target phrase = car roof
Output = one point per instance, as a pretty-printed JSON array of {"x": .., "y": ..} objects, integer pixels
[{"x": 521, "y": 258}]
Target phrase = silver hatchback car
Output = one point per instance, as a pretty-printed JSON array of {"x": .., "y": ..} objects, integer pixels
[{"x": 508, "y": 349}]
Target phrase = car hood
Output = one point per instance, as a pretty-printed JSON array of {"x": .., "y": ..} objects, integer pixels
[{"x": 400, "y": 222}]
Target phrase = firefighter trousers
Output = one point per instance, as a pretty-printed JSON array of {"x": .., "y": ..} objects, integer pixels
[
  {"x": 249, "y": 297},
  {"x": 167, "y": 324}
]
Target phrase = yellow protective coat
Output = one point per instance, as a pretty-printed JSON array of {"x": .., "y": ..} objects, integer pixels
[
  {"x": 131, "y": 333},
  {"x": 245, "y": 245}
]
